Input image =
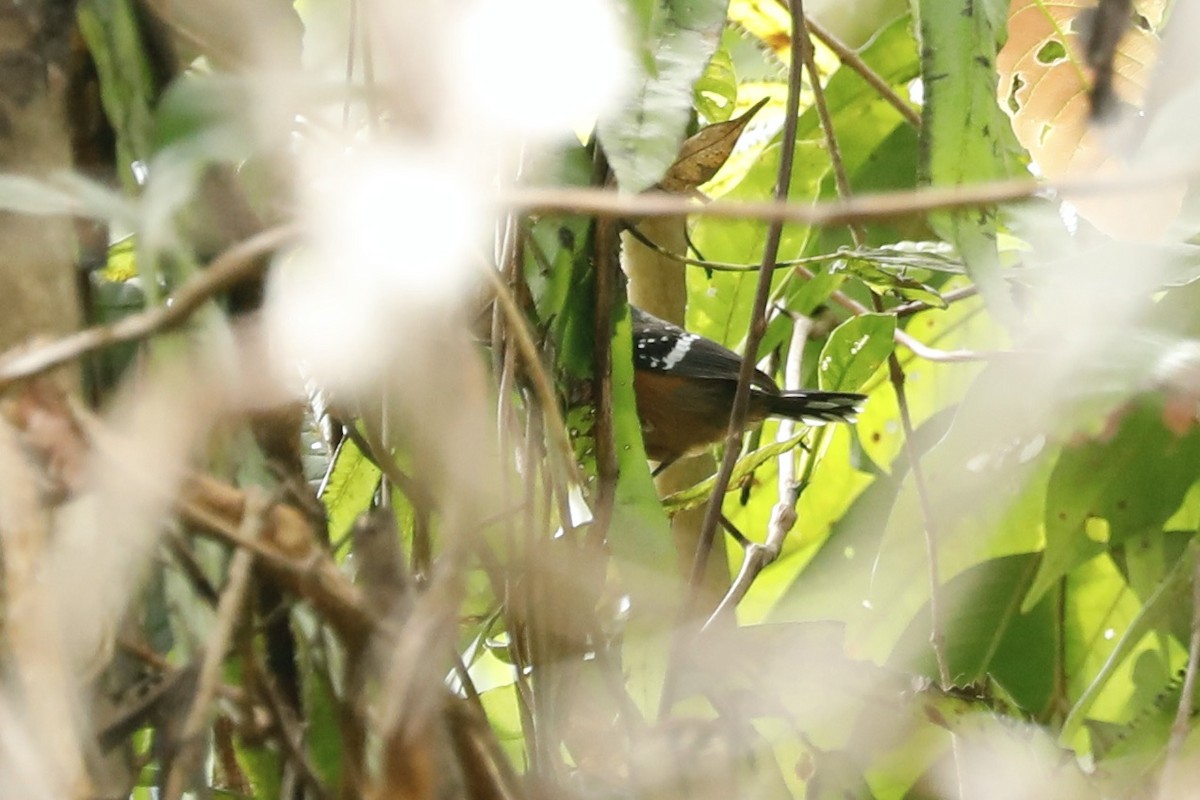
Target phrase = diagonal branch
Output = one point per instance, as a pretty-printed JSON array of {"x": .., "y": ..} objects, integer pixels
[
  {"x": 236, "y": 264},
  {"x": 855, "y": 62},
  {"x": 228, "y": 617},
  {"x": 783, "y": 517}
]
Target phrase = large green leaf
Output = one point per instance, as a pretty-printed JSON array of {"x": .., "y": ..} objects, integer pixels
[
  {"x": 639, "y": 535},
  {"x": 719, "y": 305},
  {"x": 892, "y": 55},
  {"x": 1172, "y": 590},
  {"x": 986, "y": 633},
  {"x": 559, "y": 273},
  {"x": 717, "y": 89},
  {"x": 984, "y": 498},
  {"x": 1133, "y": 481}
]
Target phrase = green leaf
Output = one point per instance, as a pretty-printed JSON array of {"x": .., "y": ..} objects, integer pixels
[
  {"x": 504, "y": 717},
  {"x": 642, "y": 138},
  {"x": 966, "y": 136},
  {"x": 1172, "y": 591},
  {"x": 321, "y": 704},
  {"x": 558, "y": 269},
  {"x": 209, "y": 116},
  {"x": 986, "y": 633},
  {"x": 112, "y": 30},
  {"x": 719, "y": 306},
  {"x": 352, "y": 483},
  {"x": 742, "y": 471},
  {"x": 1134, "y": 481},
  {"x": 855, "y": 350},
  {"x": 64, "y": 194},
  {"x": 986, "y": 497},
  {"x": 715, "y": 94},
  {"x": 855, "y": 107},
  {"x": 639, "y": 534}
]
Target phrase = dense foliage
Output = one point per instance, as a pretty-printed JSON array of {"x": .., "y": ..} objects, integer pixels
[{"x": 354, "y": 501}]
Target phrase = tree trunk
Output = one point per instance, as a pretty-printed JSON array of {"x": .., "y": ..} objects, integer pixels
[{"x": 39, "y": 290}]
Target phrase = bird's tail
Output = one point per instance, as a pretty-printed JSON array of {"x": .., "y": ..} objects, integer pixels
[{"x": 815, "y": 408}]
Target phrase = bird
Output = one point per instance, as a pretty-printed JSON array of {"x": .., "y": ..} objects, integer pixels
[{"x": 684, "y": 385}]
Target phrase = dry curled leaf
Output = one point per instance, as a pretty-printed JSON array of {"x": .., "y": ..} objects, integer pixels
[{"x": 706, "y": 152}]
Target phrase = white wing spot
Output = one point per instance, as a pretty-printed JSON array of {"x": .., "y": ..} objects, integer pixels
[{"x": 679, "y": 351}]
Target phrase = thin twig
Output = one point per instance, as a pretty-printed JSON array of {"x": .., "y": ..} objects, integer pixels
[
  {"x": 741, "y": 401},
  {"x": 543, "y": 388},
  {"x": 937, "y": 634},
  {"x": 896, "y": 375},
  {"x": 854, "y": 61},
  {"x": 874, "y": 256},
  {"x": 737, "y": 419},
  {"x": 607, "y": 265},
  {"x": 231, "y": 267},
  {"x": 902, "y": 337},
  {"x": 291, "y": 733},
  {"x": 289, "y": 550},
  {"x": 953, "y": 296},
  {"x": 228, "y": 617}
]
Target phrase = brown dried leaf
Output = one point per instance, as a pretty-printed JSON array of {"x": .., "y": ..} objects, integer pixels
[
  {"x": 706, "y": 152},
  {"x": 1044, "y": 80}
]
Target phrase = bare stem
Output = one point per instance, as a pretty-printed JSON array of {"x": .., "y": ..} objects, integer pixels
[
  {"x": 896, "y": 374},
  {"x": 758, "y": 326}
]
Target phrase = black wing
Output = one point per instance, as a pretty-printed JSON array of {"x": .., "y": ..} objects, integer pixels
[{"x": 663, "y": 347}]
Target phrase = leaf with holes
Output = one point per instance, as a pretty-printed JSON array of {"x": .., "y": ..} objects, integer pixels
[
  {"x": 1044, "y": 84},
  {"x": 716, "y": 92}
]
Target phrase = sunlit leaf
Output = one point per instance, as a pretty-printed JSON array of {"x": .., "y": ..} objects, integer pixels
[
  {"x": 855, "y": 350},
  {"x": 745, "y": 467},
  {"x": 639, "y": 532},
  {"x": 1170, "y": 593},
  {"x": 351, "y": 485},
  {"x": 986, "y": 633},
  {"x": 717, "y": 89}
]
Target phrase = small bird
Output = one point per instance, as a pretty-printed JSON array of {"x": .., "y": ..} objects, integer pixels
[{"x": 685, "y": 386}]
